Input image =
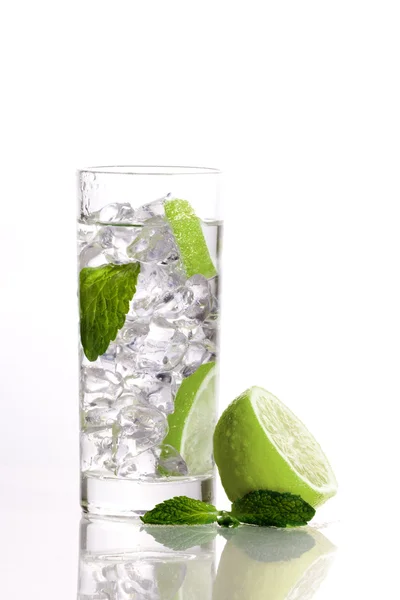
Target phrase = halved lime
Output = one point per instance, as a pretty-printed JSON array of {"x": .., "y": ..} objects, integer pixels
[
  {"x": 260, "y": 444},
  {"x": 189, "y": 236},
  {"x": 191, "y": 425}
]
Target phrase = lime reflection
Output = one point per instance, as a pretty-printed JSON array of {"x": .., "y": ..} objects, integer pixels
[{"x": 272, "y": 564}]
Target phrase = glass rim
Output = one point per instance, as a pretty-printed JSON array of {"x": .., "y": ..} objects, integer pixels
[{"x": 150, "y": 170}]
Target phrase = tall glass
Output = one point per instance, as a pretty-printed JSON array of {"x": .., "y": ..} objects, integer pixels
[{"x": 149, "y": 240}]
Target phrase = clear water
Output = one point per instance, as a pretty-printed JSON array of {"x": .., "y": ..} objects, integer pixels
[{"x": 127, "y": 393}]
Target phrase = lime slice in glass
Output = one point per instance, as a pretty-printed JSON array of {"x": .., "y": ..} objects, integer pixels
[
  {"x": 191, "y": 425},
  {"x": 189, "y": 236},
  {"x": 260, "y": 444}
]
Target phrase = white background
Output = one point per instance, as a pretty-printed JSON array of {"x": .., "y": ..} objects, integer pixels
[{"x": 299, "y": 104}]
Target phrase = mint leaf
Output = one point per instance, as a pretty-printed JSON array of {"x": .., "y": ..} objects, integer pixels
[
  {"x": 269, "y": 508},
  {"x": 225, "y": 519},
  {"x": 182, "y": 538},
  {"x": 181, "y": 510},
  {"x": 104, "y": 296}
]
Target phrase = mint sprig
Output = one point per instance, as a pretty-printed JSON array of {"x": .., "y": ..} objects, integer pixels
[
  {"x": 263, "y": 507},
  {"x": 269, "y": 508},
  {"x": 225, "y": 519},
  {"x": 104, "y": 296},
  {"x": 181, "y": 510}
]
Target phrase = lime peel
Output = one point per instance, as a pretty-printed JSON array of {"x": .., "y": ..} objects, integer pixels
[
  {"x": 192, "y": 422},
  {"x": 189, "y": 236}
]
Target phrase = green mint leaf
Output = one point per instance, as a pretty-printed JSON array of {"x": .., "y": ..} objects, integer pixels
[
  {"x": 269, "y": 508},
  {"x": 225, "y": 519},
  {"x": 104, "y": 296},
  {"x": 182, "y": 538},
  {"x": 181, "y": 510}
]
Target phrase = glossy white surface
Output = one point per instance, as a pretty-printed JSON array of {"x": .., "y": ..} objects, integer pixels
[{"x": 39, "y": 553}]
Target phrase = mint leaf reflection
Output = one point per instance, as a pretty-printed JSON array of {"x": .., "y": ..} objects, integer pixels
[
  {"x": 270, "y": 545},
  {"x": 182, "y": 537}
]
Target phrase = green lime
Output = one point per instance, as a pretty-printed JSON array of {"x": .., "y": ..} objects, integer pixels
[
  {"x": 189, "y": 236},
  {"x": 260, "y": 444},
  {"x": 191, "y": 425}
]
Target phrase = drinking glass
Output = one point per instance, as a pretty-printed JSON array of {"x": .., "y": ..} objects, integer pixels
[{"x": 149, "y": 241}]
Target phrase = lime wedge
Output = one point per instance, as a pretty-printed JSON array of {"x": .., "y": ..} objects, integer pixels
[
  {"x": 260, "y": 444},
  {"x": 191, "y": 425},
  {"x": 189, "y": 236}
]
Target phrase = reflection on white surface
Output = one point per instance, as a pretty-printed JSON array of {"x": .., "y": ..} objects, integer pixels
[
  {"x": 125, "y": 560},
  {"x": 122, "y": 559},
  {"x": 276, "y": 564}
]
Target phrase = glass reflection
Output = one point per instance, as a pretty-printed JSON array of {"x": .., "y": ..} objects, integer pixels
[{"x": 122, "y": 559}]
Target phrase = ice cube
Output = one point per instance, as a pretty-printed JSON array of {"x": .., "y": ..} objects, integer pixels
[
  {"x": 154, "y": 244},
  {"x": 96, "y": 449},
  {"x": 103, "y": 412},
  {"x": 92, "y": 255},
  {"x": 97, "y": 414},
  {"x": 186, "y": 325},
  {"x": 195, "y": 355},
  {"x": 97, "y": 382},
  {"x": 126, "y": 362},
  {"x": 133, "y": 333},
  {"x": 114, "y": 213},
  {"x": 86, "y": 233},
  {"x": 163, "y": 347},
  {"x": 170, "y": 462},
  {"x": 161, "y": 397},
  {"x": 107, "y": 360},
  {"x": 142, "y": 465},
  {"x": 159, "y": 390},
  {"x": 139, "y": 381},
  {"x": 115, "y": 240},
  {"x": 174, "y": 302},
  {"x": 131, "y": 337},
  {"x": 201, "y": 303},
  {"x": 149, "y": 211},
  {"x": 151, "y": 284},
  {"x": 172, "y": 260},
  {"x": 139, "y": 427},
  {"x": 207, "y": 335}
]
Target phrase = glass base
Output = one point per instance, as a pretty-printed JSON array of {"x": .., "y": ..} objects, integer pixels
[{"x": 132, "y": 498}]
